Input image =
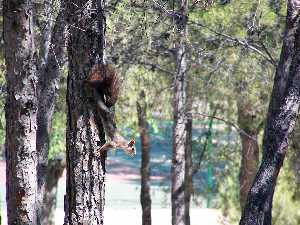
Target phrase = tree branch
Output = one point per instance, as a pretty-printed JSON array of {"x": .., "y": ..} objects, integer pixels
[
  {"x": 236, "y": 40},
  {"x": 241, "y": 131}
]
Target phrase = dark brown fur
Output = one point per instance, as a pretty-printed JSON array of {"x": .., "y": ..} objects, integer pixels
[{"x": 105, "y": 80}]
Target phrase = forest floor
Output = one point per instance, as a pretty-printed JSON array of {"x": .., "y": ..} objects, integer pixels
[{"x": 122, "y": 198}]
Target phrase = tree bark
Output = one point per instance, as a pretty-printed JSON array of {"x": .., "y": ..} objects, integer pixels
[
  {"x": 84, "y": 200},
  {"x": 282, "y": 115},
  {"x": 43, "y": 18},
  {"x": 250, "y": 149},
  {"x": 296, "y": 158},
  {"x": 180, "y": 121},
  {"x": 188, "y": 170},
  {"x": 249, "y": 165},
  {"x": 50, "y": 73},
  {"x": 145, "y": 167},
  {"x": 54, "y": 172},
  {"x": 20, "y": 112}
]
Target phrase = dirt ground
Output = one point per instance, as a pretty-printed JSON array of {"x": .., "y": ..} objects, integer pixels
[
  {"x": 159, "y": 216},
  {"x": 125, "y": 204}
]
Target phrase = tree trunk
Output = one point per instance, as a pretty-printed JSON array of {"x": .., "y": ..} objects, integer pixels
[
  {"x": 188, "y": 170},
  {"x": 180, "y": 121},
  {"x": 249, "y": 165},
  {"x": 55, "y": 169},
  {"x": 43, "y": 18},
  {"x": 20, "y": 112},
  {"x": 84, "y": 200},
  {"x": 50, "y": 73},
  {"x": 282, "y": 115},
  {"x": 250, "y": 150},
  {"x": 145, "y": 167},
  {"x": 296, "y": 158}
]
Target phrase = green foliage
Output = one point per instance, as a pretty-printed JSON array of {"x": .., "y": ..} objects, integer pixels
[
  {"x": 58, "y": 135},
  {"x": 58, "y": 130},
  {"x": 156, "y": 88},
  {"x": 285, "y": 205},
  {"x": 228, "y": 181},
  {"x": 229, "y": 198},
  {"x": 250, "y": 22}
]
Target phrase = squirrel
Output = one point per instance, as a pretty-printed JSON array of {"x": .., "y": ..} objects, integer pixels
[
  {"x": 106, "y": 84},
  {"x": 105, "y": 80}
]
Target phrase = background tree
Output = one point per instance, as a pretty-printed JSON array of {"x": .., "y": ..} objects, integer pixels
[
  {"x": 145, "y": 164},
  {"x": 55, "y": 169},
  {"x": 180, "y": 120},
  {"x": 51, "y": 62},
  {"x": 282, "y": 115},
  {"x": 235, "y": 73}
]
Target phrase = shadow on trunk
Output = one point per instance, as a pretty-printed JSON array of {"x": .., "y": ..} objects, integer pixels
[{"x": 54, "y": 172}]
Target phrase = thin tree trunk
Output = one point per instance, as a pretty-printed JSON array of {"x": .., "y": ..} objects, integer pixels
[
  {"x": 180, "y": 121},
  {"x": 54, "y": 172},
  {"x": 188, "y": 170},
  {"x": 145, "y": 167},
  {"x": 20, "y": 112},
  {"x": 282, "y": 115},
  {"x": 48, "y": 86},
  {"x": 250, "y": 150},
  {"x": 84, "y": 200},
  {"x": 249, "y": 120},
  {"x": 44, "y": 17},
  {"x": 249, "y": 165}
]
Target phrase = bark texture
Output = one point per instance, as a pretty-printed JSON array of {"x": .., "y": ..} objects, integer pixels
[
  {"x": 145, "y": 167},
  {"x": 188, "y": 170},
  {"x": 54, "y": 172},
  {"x": 84, "y": 200},
  {"x": 296, "y": 158},
  {"x": 180, "y": 121},
  {"x": 281, "y": 118},
  {"x": 250, "y": 149},
  {"x": 20, "y": 112},
  {"x": 50, "y": 72},
  {"x": 44, "y": 18}
]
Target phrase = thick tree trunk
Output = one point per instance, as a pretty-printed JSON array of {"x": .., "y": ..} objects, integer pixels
[
  {"x": 296, "y": 158},
  {"x": 282, "y": 115},
  {"x": 84, "y": 200},
  {"x": 55, "y": 169},
  {"x": 145, "y": 167},
  {"x": 250, "y": 150},
  {"x": 180, "y": 121},
  {"x": 50, "y": 72},
  {"x": 20, "y": 112}
]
